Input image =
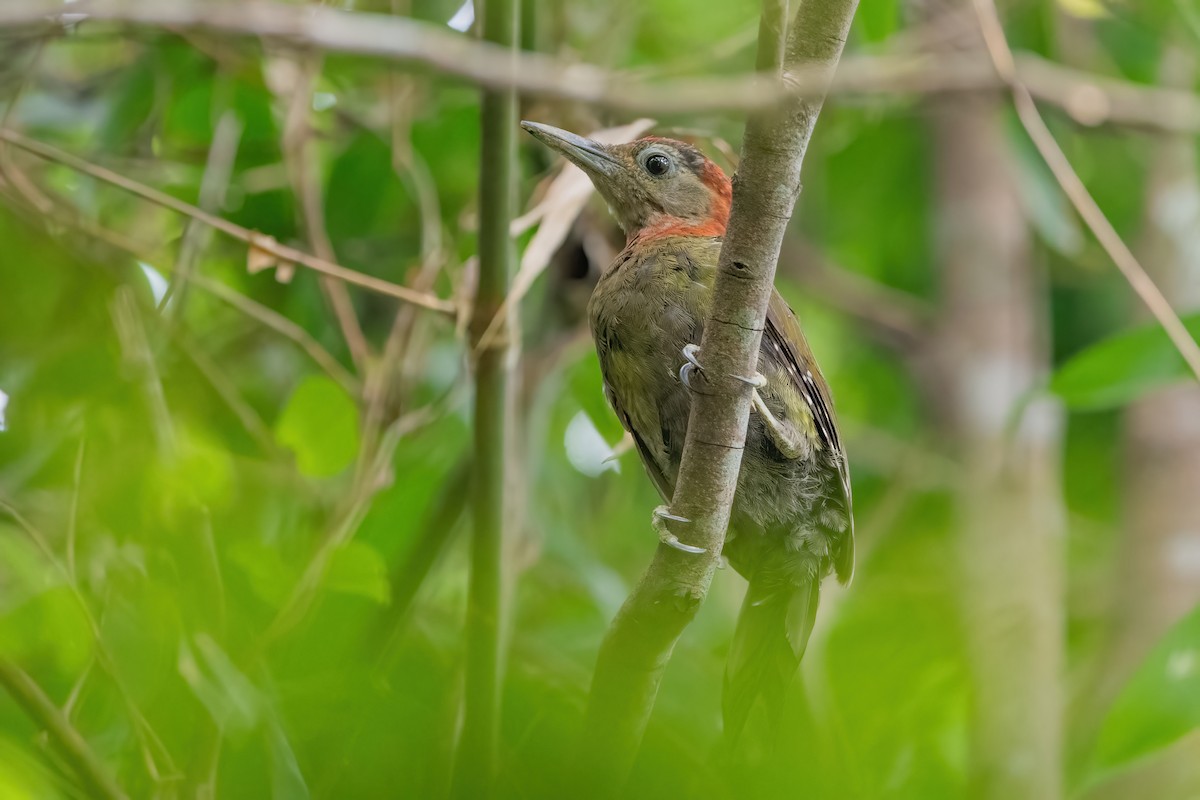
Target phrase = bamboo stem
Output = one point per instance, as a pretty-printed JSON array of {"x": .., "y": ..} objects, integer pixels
[{"x": 474, "y": 766}]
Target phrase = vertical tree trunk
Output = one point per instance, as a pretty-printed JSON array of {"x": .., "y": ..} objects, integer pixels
[
  {"x": 1008, "y": 509},
  {"x": 1158, "y": 571}
]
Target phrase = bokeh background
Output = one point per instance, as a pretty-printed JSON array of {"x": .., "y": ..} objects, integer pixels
[{"x": 233, "y": 546}]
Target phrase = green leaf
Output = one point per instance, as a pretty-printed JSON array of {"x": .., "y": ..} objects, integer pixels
[
  {"x": 287, "y": 781},
  {"x": 1160, "y": 704},
  {"x": 1045, "y": 206},
  {"x": 268, "y": 575},
  {"x": 231, "y": 698},
  {"x": 357, "y": 568},
  {"x": 49, "y": 625},
  {"x": 320, "y": 425},
  {"x": 1122, "y": 367},
  {"x": 877, "y": 21}
]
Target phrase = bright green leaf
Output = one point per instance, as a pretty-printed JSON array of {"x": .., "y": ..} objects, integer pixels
[
  {"x": 231, "y": 698},
  {"x": 1045, "y": 206},
  {"x": 1085, "y": 9},
  {"x": 1160, "y": 704},
  {"x": 287, "y": 781},
  {"x": 320, "y": 425},
  {"x": 49, "y": 625},
  {"x": 357, "y": 568},
  {"x": 271, "y": 579},
  {"x": 1122, "y": 367},
  {"x": 877, "y": 21},
  {"x": 23, "y": 777}
]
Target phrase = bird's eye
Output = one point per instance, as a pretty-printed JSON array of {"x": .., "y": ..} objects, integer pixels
[{"x": 658, "y": 164}]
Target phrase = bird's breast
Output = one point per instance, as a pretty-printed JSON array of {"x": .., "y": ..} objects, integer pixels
[{"x": 644, "y": 310}]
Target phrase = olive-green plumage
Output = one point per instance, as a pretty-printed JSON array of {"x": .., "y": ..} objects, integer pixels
[{"x": 791, "y": 524}]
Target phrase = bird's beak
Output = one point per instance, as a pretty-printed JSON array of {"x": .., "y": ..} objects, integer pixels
[{"x": 590, "y": 156}]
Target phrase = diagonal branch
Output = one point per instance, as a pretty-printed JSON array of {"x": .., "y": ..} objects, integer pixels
[
  {"x": 1085, "y": 205},
  {"x": 303, "y": 163},
  {"x": 41, "y": 709},
  {"x": 281, "y": 324},
  {"x": 256, "y": 240},
  {"x": 639, "y": 643},
  {"x": 218, "y": 169}
]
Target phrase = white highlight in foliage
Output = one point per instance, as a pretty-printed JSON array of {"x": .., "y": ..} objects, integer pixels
[
  {"x": 994, "y": 384},
  {"x": 1176, "y": 211},
  {"x": 1181, "y": 665},
  {"x": 464, "y": 17},
  {"x": 1183, "y": 553},
  {"x": 322, "y": 101},
  {"x": 3, "y": 405},
  {"x": 158, "y": 284},
  {"x": 586, "y": 449}
]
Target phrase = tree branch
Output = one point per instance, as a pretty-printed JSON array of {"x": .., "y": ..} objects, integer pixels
[
  {"x": 1075, "y": 190},
  {"x": 256, "y": 240},
  {"x": 892, "y": 316},
  {"x": 302, "y": 161},
  {"x": 639, "y": 643},
  {"x": 281, "y": 324},
  {"x": 42, "y": 710},
  {"x": 1090, "y": 99}
]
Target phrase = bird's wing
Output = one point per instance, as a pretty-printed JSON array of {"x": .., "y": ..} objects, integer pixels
[
  {"x": 784, "y": 339},
  {"x": 665, "y": 489}
]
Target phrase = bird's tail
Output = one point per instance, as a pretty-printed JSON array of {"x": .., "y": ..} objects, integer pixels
[{"x": 772, "y": 632}]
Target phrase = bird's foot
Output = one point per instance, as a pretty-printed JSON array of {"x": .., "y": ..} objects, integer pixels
[
  {"x": 659, "y": 521},
  {"x": 758, "y": 380},
  {"x": 788, "y": 440},
  {"x": 690, "y": 365}
]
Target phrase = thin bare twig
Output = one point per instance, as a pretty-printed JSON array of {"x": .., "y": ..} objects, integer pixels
[
  {"x": 347, "y": 521},
  {"x": 303, "y": 165},
  {"x": 218, "y": 169},
  {"x": 226, "y": 390},
  {"x": 407, "y": 40},
  {"x": 1075, "y": 190},
  {"x": 73, "y": 514},
  {"x": 251, "y": 308},
  {"x": 8, "y": 170},
  {"x": 281, "y": 324},
  {"x": 148, "y": 739},
  {"x": 259, "y": 241},
  {"x": 139, "y": 357},
  {"x": 893, "y": 315}
]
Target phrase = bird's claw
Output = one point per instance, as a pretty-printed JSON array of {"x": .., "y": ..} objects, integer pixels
[
  {"x": 758, "y": 380},
  {"x": 691, "y": 364},
  {"x": 661, "y": 514}
]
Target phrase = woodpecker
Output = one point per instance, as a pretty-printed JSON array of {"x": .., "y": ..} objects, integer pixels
[{"x": 791, "y": 523}]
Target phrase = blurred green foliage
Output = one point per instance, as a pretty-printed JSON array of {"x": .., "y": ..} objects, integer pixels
[{"x": 200, "y": 565}]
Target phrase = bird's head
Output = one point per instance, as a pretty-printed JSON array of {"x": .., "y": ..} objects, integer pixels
[{"x": 655, "y": 187}]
